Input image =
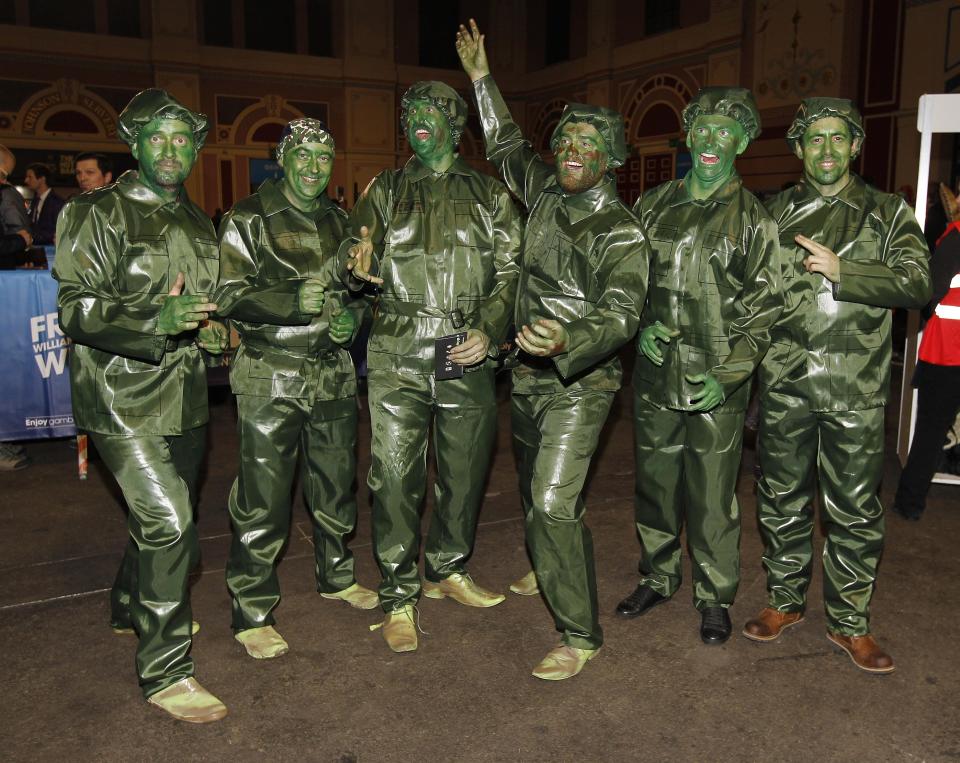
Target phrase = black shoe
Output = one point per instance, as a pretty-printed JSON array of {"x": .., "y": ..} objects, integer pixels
[
  {"x": 714, "y": 625},
  {"x": 640, "y": 601},
  {"x": 911, "y": 515}
]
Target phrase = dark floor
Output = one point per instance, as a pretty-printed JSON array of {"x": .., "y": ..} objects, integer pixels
[{"x": 655, "y": 693}]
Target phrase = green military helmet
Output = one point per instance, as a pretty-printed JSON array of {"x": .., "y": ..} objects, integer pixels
[
  {"x": 607, "y": 122},
  {"x": 155, "y": 103},
  {"x": 444, "y": 98},
  {"x": 303, "y": 130},
  {"x": 812, "y": 109},
  {"x": 734, "y": 102}
]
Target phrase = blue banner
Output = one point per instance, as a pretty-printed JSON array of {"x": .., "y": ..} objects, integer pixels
[{"x": 33, "y": 349}]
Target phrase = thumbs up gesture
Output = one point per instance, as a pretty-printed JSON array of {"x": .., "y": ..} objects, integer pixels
[{"x": 183, "y": 312}]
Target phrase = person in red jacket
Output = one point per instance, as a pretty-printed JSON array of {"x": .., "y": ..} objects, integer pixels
[{"x": 937, "y": 377}]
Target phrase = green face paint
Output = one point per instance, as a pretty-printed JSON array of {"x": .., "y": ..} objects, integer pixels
[
  {"x": 581, "y": 157},
  {"x": 715, "y": 141},
  {"x": 306, "y": 173},
  {"x": 166, "y": 151},
  {"x": 429, "y": 134},
  {"x": 826, "y": 149}
]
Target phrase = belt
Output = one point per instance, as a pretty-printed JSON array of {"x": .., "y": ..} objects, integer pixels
[{"x": 420, "y": 310}]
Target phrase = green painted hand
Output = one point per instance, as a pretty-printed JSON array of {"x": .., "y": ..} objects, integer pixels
[
  {"x": 342, "y": 325},
  {"x": 181, "y": 312},
  {"x": 361, "y": 258},
  {"x": 213, "y": 337},
  {"x": 311, "y": 296},
  {"x": 710, "y": 397},
  {"x": 543, "y": 339},
  {"x": 649, "y": 338}
]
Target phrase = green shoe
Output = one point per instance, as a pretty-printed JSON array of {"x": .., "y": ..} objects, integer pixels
[
  {"x": 188, "y": 701},
  {"x": 563, "y": 662},
  {"x": 263, "y": 643},
  {"x": 527, "y": 585},
  {"x": 356, "y": 596},
  {"x": 460, "y": 587},
  {"x": 399, "y": 629}
]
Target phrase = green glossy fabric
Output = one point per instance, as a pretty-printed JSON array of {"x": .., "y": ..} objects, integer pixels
[
  {"x": 158, "y": 478},
  {"x": 585, "y": 261},
  {"x": 842, "y": 453},
  {"x": 296, "y": 395},
  {"x": 841, "y": 332},
  {"x": 715, "y": 278},
  {"x": 119, "y": 249},
  {"x": 463, "y": 413},
  {"x": 273, "y": 433},
  {"x": 554, "y": 439},
  {"x": 443, "y": 242},
  {"x": 687, "y": 466},
  {"x": 823, "y": 387}
]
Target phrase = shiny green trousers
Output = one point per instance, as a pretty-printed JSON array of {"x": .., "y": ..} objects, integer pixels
[
  {"x": 844, "y": 452},
  {"x": 554, "y": 438},
  {"x": 464, "y": 417},
  {"x": 272, "y": 433},
  {"x": 158, "y": 479},
  {"x": 686, "y": 472}
]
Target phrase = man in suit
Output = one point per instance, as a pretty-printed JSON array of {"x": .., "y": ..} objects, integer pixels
[{"x": 45, "y": 205}]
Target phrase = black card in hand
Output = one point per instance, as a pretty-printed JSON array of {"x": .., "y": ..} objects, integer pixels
[{"x": 444, "y": 367}]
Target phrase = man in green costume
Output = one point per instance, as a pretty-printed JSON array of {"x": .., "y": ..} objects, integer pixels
[
  {"x": 849, "y": 254},
  {"x": 584, "y": 272},
  {"x": 294, "y": 381},
  {"x": 714, "y": 294},
  {"x": 444, "y": 239},
  {"x": 136, "y": 261}
]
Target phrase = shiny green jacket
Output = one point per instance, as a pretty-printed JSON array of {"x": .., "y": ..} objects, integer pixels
[
  {"x": 267, "y": 249},
  {"x": 119, "y": 249},
  {"x": 585, "y": 261},
  {"x": 841, "y": 332},
  {"x": 446, "y": 246},
  {"x": 715, "y": 277}
]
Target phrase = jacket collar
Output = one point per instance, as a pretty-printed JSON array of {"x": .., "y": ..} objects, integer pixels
[
  {"x": 853, "y": 194},
  {"x": 131, "y": 187},
  {"x": 723, "y": 195},
  {"x": 274, "y": 201},
  {"x": 415, "y": 170},
  {"x": 581, "y": 205}
]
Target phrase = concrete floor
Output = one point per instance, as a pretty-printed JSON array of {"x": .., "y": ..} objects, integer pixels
[{"x": 655, "y": 693}]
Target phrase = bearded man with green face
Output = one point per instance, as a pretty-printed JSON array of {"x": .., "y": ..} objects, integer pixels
[
  {"x": 294, "y": 381},
  {"x": 583, "y": 279},
  {"x": 849, "y": 253},
  {"x": 444, "y": 239},
  {"x": 136, "y": 262},
  {"x": 714, "y": 294}
]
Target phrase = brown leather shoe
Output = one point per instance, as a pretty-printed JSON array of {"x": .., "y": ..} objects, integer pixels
[
  {"x": 864, "y": 651},
  {"x": 770, "y": 623}
]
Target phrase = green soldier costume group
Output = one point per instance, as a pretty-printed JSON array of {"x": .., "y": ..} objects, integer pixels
[
  {"x": 849, "y": 254},
  {"x": 125, "y": 254},
  {"x": 583, "y": 278},
  {"x": 714, "y": 294},
  {"x": 294, "y": 381},
  {"x": 444, "y": 240}
]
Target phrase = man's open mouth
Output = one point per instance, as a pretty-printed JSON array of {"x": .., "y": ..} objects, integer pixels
[
  {"x": 422, "y": 134},
  {"x": 709, "y": 159},
  {"x": 309, "y": 179},
  {"x": 572, "y": 165},
  {"x": 828, "y": 164}
]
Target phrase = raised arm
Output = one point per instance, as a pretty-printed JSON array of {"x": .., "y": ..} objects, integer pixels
[{"x": 521, "y": 167}]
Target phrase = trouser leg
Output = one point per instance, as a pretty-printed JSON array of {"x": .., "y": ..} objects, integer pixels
[
  {"x": 124, "y": 586},
  {"x": 162, "y": 527},
  {"x": 658, "y": 439},
  {"x": 937, "y": 405},
  {"x": 401, "y": 407},
  {"x": 711, "y": 463},
  {"x": 259, "y": 504},
  {"x": 788, "y": 446},
  {"x": 851, "y": 466},
  {"x": 560, "y": 434},
  {"x": 328, "y": 448},
  {"x": 463, "y": 434}
]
